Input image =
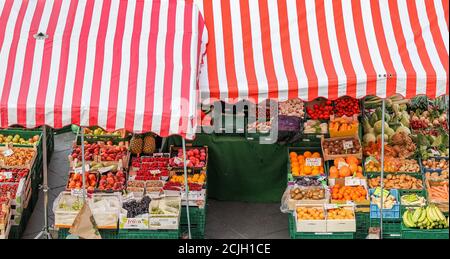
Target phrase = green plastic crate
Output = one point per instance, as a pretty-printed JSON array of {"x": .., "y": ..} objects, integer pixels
[
  {"x": 148, "y": 234},
  {"x": 105, "y": 233},
  {"x": 197, "y": 216},
  {"x": 16, "y": 232},
  {"x": 391, "y": 227},
  {"x": 362, "y": 225},
  {"x": 197, "y": 232},
  {"x": 411, "y": 233}
]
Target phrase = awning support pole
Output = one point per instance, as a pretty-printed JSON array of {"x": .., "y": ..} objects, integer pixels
[
  {"x": 383, "y": 108},
  {"x": 186, "y": 186},
  {"x": 45, "y": 230},
  {"x": 83, "y": 165}
]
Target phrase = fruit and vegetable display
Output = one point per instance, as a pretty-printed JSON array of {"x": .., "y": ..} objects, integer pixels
[
  {"x": 392, "y": 165},
  {"x": 101, "y": 151},
  {"x": 292, "y": 107},
  {"x": 413, "y": 199},
  {"x": 165, "y": 206},
  {"x": 348, "y": 193},
  {"x": 112, "y": 181},
  {"x": 305, "y": 213},
  {"x": 8, "y": 190},
  {"x": 97, "y": 132},
  {"x": 315, "y": 127},
  {"x": 310, "y": 193},
  {"x": 136, "y": 208},
  {"x": 12, "y": 175},
  {"x": 196, "y": 158},
  {"x": 76, "y": 181},
  {"x": 308, "y": 181},
  {"x": 105, "y": 209},
  {"x": 260, "y": 126},
  {"x": 435, "y": 164},
  {"x": 17, "y": 157},
  {"x": 341, "y": 146},
  {"x": 397, "y": 181},
  {"x": 346, "y": 106},
  {"x": 427, "y": 217},
  {"x": 320, "y": 111},
  {"x": 17, "y": 139},
  {"x": 340, "y": 213},
  {"x": 198, "y": 178},
  {"x": 345, "y": 167},
  {"x": 388, "y": 201},
  {"x": 306, "y": 164},
  {"x": 91, "y": 151},
  {"x": 438, "y": 190}
]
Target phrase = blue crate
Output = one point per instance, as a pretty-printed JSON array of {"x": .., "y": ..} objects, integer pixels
[{"x": 393, "y": 213}]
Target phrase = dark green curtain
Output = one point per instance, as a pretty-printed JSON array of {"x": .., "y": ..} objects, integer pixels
[{"x": 242, "y": 170}]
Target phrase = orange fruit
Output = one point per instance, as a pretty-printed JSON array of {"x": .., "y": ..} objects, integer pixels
[
  {"x": 333, "y": 170},
  {"x": 337, "y": 160},
  {"x": 307, "y": 154},
  {"x": 344, "y": 171},
  {"x": 352, "y": 160},
  {"x": 315, "y": 171},
  {"x": 293, "y": 154},
  {"x": 316, "y": 155},
  {"x": 307, "y": 170},
  {"x": 353, "y": 168}
]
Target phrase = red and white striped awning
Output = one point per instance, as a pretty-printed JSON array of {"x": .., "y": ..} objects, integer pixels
[
  {"x": 284, "y": 49},
  {"x": 112, "y": 63}
]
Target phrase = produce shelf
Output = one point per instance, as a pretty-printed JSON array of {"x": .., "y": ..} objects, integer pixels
[
  {"x": 147, "y": 234},
  {"x": 411, "y": 233},
  {"x": 362, "y": 225}
]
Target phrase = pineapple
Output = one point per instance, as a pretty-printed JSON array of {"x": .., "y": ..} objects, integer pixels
[
  {"x": 149, "y": 144},
  {"x": 136, "y": 144}
]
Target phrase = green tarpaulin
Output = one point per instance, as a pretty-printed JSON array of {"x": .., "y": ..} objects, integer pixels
[{"x": 242, "y": 170}]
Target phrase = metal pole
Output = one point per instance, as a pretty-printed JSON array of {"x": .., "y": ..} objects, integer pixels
[
  {"x": 83, "y": 169},
  {"x": 45, "y": 230},
  {"x": 186, "y": 186},
  {"x": 383, "y": 104}
]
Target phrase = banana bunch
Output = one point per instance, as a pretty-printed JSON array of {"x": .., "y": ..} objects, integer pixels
[{"x": 429, "y": 217}]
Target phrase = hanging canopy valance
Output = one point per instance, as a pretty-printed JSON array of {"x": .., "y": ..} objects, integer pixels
[
  {"x": 285, "y": 49},
  {"x": 113, "y": 63}
]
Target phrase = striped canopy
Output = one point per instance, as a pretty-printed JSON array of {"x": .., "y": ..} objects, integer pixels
[
  {"x": 112, "y": 63},
  {"x": 284, "y": 49}
]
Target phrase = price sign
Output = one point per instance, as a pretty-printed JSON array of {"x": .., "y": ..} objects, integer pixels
[
  {"x": 78, "y": 192},
  {"x": 105, "y": 169},
  {"x": 6, "y": 175},
  {"x": 78, "y": 170},
  {"x": 155, "y": 172},
  {"x": 347, "y": 144},
  {"x": 377, "y": 192},
  {"x": 313, "y": 161},
  {"x": 178, "y": 161},
  {"x": 352, "y": 181},
  {"x": 158, "y": 154},
  {"x": 8, "y": 152},
  {"x": 331, "y": 206}
]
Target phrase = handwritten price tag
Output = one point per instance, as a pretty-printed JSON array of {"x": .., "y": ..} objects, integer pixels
[
  {"x": 6, "y": 175},
  {"x": 352, "y": 181},
  {"x": 78, "y": 192},
  {"x": 8, "y": 152},
  {"x": 313, "y": 161},
  {"x": 341, "y": 164},
  {"x": 347, "y": 144},
  {"x": 155, "y": 172},
  {"x": 178, "y": 161},
  {"x": 78, "y": 170}
]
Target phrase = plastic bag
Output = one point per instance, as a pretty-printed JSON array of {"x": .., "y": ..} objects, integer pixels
[{"x": 284, "y": 208}]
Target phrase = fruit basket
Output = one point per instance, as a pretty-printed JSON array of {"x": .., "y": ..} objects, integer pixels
[
  {"x": 314, "y": 157},
  {"x": 18, "y": 157},
  {"x": 20, "y": 138},
  {"x": 343, "y": 126},
  {"x": 392, "y": 213},
  {"x": 408, "y": 182}
]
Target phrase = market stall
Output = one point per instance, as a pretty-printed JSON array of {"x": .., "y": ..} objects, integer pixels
[{"x": 118, "y": 65}]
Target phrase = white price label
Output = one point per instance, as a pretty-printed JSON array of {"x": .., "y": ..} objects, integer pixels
[
  {"x": 78, "y": 170},
  {"x": 330, "y": 206},
  {"x": 105, "y": 169},
  {"x": 352, "y": 181},
  {"x": 347, "y": 144},
  {"x": 178, "y": 161},
  {"x": 155, "y": 172},
  {"x": 8, "y": 152},
  {"x": 313, "y": 161},
  {"x": 136, "y": 223},
  {"x": 6, "y": 175},
  {"x": 78, "y": 192},
  {"x": 158, "y": 154}
]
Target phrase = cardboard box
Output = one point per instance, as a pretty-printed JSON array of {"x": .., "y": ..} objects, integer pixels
[
  {"x": 167, "y": 220},
  {"x": 341, "y": 225},
  {"x": 140, "y": 222},
  {"x": 350, "y": 181}
]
